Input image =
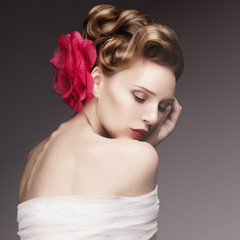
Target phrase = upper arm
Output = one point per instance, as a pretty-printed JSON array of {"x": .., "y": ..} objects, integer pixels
[
  {"x": 146, "y": 162},
  {"x": 140, "y": 166}
]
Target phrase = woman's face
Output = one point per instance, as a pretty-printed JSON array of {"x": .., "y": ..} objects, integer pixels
[{"x": 133, "y": 101}]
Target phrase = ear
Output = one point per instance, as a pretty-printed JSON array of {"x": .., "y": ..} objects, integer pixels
[{"x": 97, "y": 75}]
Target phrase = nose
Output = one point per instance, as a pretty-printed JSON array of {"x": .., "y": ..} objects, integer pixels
[{"x": 150, "y": 116}]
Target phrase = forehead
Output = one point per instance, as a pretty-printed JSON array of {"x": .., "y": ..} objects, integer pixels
[{"x": 154, "y": 77}]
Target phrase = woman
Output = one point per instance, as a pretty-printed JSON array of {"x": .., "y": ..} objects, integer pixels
[{"x": 95, "y": 176}]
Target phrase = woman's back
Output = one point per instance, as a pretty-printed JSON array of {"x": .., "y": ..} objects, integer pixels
[{"x": 76, "y": 161}]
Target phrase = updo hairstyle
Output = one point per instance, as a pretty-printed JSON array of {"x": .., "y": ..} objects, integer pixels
[{"x": 121, "y": 37}]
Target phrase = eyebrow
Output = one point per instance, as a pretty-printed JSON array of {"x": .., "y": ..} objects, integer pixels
[
  {"x": 146, "y": 90},
  {"x": 164, "y": 100}
]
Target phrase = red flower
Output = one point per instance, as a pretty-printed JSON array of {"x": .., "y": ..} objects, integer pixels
[{"x": 73, "y": 61}]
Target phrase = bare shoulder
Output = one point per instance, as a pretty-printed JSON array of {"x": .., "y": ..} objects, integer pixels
[
  {"x": 142, "y": 150},
  {"x": 44, "y": 163},
  {"x": 136, "y": 165},
  {"x": 140, "y": 153},
  {"x": 27, "y": 172}
]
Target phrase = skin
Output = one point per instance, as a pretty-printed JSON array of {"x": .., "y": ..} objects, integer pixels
[
  {"x": 152, "y": 87},
  {"x": 96, "y": 152}
]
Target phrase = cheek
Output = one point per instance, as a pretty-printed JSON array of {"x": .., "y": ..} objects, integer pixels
[
  {"x": 112, "y": 108},
  {"x": 115, "y": 115}
]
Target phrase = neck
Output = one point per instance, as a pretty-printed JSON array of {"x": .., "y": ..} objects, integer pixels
[{"x": 90, "y": 113}]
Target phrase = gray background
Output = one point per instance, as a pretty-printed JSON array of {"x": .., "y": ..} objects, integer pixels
[{"x": 199, "y": 171}]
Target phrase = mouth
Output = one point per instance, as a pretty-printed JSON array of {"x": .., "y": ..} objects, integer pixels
[{"x": 139, "y": 133}]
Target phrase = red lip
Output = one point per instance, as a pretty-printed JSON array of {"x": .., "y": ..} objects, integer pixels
[{"x": 139, "y": 133}]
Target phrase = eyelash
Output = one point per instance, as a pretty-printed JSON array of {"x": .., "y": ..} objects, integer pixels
[
  {"x": 161, "y": 109},
  {"x": 138, "y": 99},
  {"x": 141, "y": 100}
]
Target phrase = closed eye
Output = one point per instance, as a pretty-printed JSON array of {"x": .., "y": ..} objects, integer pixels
[
  {"x": 139, "y": 96},
  {"x": 138, "y": 99},
  {"x": 162, "y": 107}
]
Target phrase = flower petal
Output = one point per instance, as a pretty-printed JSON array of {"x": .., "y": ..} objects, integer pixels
[{"x": 73, "y": 61}]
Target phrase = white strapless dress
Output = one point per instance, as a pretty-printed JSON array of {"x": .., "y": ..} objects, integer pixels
[{"x": 77, "y": 217}]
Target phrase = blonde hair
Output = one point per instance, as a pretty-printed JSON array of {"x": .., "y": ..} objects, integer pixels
[{"x": 123, "y": 36}]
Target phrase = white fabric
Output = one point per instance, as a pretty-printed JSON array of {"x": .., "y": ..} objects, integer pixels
[{"x": 79, "y": 217}]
